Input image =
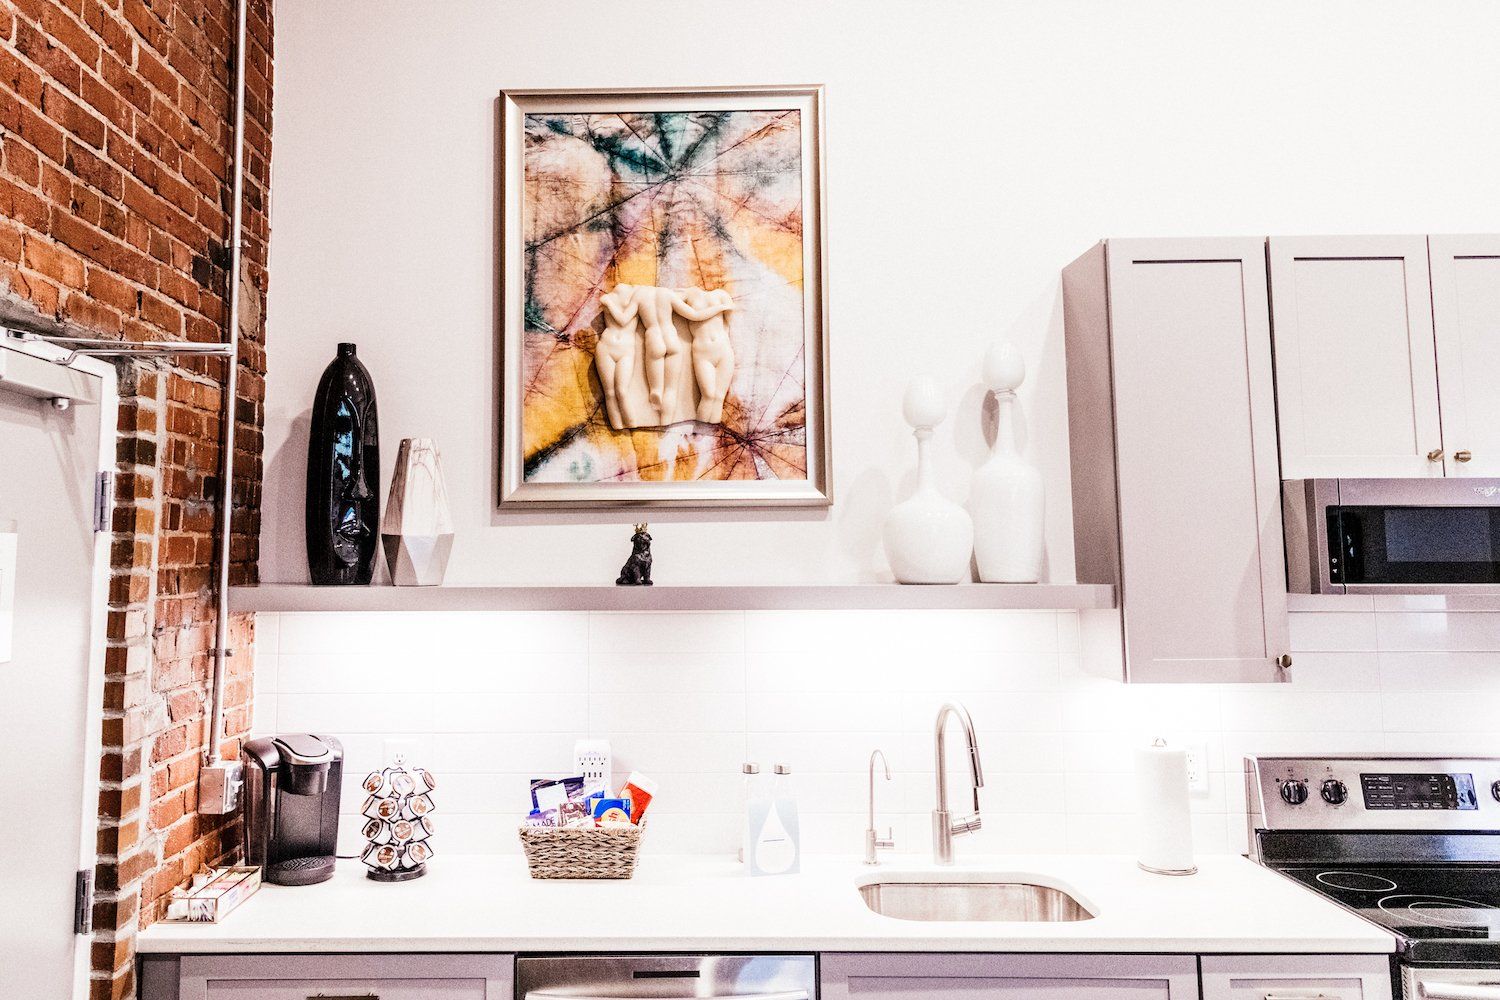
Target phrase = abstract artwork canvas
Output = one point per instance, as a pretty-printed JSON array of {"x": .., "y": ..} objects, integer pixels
[{"x": 663, "y": 298}]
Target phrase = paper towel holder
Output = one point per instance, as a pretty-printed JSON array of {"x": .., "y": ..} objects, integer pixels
[{"x": 1191, "y": 869}]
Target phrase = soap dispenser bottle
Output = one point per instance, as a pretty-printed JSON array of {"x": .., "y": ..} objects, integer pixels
[
  {"x": 775, "y": 843},
  {"x": 750, "y": 791}
]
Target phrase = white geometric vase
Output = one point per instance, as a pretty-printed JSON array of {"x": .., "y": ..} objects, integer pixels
[
  {"x": 417, "y": 529},
  {"x": 928, "y": 538},
  {"x": 1007, "y": 497}
]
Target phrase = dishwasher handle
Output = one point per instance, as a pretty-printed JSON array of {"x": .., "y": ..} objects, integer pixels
[
  {"x": 1459, "y": 991},
  {"x": 785, "y": 995}
]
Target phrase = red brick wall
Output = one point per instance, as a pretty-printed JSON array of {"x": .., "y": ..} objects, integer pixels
[{"x": 115, "y": 148}]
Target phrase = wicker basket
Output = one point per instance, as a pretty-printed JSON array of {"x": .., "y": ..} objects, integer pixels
[{"x": 581, "y": 852}]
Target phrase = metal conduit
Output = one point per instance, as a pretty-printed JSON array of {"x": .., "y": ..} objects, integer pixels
[{"x": 231, "y": 396}]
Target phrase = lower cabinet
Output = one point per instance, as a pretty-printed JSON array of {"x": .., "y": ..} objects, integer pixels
[
  {"x": 848, "y": 976},
  {"x": 1296, "y": 977},
  {"x": 303, "y": 977},
  {"x": 843, "y": 976}
]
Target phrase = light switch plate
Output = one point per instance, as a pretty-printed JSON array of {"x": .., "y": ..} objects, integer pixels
[
  {"x": 1197, "y": 769},
  {"x": 8, "y": 545}
]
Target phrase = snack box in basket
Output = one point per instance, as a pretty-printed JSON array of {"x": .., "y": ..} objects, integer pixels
[{"x": 214, "y": 895}]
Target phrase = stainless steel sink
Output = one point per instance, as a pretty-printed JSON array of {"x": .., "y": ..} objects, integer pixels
[{"x": 1014, "y": 901}]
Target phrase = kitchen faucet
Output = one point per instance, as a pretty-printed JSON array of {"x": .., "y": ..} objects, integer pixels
[
  {"x": 944, "y": 826},
  {"x": 873, "y": 843}
]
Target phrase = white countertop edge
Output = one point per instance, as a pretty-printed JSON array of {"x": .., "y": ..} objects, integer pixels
[
  {"x": 1377, "y": 945},
  {"x": 704, "y": 904}
]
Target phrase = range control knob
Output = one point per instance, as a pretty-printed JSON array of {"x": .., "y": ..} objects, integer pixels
[
  {"x": 1335, "y": 792},
  {"x": 1294, "y": 792}
]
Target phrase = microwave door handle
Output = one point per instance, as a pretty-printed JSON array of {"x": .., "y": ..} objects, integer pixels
[
  {"x": 1459, "y": 991},
  {"x": 584, "y": 994}
]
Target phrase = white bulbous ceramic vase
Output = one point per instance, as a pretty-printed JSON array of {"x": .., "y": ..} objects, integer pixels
[
  {"x": 928, "y": 538},
  {"x": 1007, "y": 498}
]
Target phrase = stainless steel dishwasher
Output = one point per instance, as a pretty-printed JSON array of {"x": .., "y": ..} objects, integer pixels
[{"x": 667, "y": 977}]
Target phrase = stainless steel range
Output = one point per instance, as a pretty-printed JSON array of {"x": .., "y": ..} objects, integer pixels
[{"x": 1409, "y": 843}]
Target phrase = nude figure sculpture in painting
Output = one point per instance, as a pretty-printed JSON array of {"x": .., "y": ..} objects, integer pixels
[
  {"x": 650, "y": 375},
  {"x": 713, "y": 357},
  {"x": 617, "y": 354}
]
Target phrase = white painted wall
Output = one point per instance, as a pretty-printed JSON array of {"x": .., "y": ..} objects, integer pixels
[
  {"x": 974, "y": 148},
  {"x": 492, "y": 700}
]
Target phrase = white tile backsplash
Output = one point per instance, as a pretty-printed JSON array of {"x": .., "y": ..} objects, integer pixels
[{"x": 496, "y": 698}]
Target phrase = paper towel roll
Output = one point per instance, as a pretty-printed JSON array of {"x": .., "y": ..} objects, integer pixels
[{"x": 1163, "y": 823}]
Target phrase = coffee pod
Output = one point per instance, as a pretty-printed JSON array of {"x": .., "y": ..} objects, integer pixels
[
  {"x": 373, "y": 782},
  {"x": 418, "y": 853},
  {"x": 419, "y": 805},
  {"x": 403, "y": 783},
  {"x": 377, "y": 831},
  {"x": 402, "y": 830},
  {"x": 387, "y": 856}
]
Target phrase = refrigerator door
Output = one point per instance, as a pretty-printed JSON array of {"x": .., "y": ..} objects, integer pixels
[{"x": 53, "y": 574}]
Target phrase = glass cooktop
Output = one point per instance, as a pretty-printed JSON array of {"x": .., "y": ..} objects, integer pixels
[{"x": 1419, "y": 902}]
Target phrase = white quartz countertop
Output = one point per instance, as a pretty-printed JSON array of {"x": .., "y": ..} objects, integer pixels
[{"x": 489, "y": 903}]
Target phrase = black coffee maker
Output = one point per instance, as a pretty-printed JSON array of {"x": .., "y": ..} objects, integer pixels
[{"x": 291, "y": 794}]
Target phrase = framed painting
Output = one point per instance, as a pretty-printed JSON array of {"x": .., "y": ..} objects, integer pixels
[{"x": 664, "y": 316}]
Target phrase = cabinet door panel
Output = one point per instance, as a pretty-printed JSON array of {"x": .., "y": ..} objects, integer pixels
[
  {"x": 1356, "y": 376},
  {"x": 1466, "y": 321},
  {"x": 1202, "y": 574},
  {"x": 1005, "y": 988},
  {"x": 1008, "y": 977},
  {"x": 364, "y": 989},
  {"x": 1296, "y": 977},
  {"x": 387, "y": 976}
]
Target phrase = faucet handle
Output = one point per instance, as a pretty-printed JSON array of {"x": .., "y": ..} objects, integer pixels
[
  {"x": 874, "y": 843},
  {"x": 967, "y": 824}
]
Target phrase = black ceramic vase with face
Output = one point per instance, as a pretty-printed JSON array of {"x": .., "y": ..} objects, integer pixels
[{"x": 343, "y": 475}]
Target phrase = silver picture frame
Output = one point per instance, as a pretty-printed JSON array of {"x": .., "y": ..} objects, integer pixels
[{"x": 817, "y": 489}]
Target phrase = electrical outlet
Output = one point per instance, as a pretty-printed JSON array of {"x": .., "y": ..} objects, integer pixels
[
  {"x": 591, "y": 758},
  {"x": 1197, "y": 768},
  {"x": 407, "y": 747}
]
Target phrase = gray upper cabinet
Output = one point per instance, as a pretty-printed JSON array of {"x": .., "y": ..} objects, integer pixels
[
  {"x": 1173, "y": 440},
  {"x": 999, "y": 977},
  {"x": 1356, "y": 367},
  {"x": 1466, "y": 319},
  {"x": 1387, "y": 355}
]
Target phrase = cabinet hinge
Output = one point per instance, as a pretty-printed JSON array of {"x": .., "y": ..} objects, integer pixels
[
  {"x": 83, "y": 902},
  {"x": 104, "y": 491}
]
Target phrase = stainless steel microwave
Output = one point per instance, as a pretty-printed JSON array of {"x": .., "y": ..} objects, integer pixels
[{"x": 1392, "y": 536}]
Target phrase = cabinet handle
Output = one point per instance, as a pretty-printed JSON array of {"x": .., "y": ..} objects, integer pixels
[
  {"x": 1435, "y": 455},
  {"x": 603, "y": 993},
  {"x": 351, "y": 996},
  {"x": 1284, "y": 662},
  {"x": 1458, "y": 991},
  {"x": 1462, "y": 456}
]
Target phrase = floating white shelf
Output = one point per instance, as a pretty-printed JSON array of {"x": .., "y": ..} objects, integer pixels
[{"x": 662, "y": 597}]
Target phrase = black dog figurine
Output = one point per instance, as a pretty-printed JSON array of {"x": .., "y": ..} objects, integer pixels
[{"x": 637, "y": 569}]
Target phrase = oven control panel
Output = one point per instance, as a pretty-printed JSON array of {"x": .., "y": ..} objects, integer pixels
[{"x": 1373, "y": 793}]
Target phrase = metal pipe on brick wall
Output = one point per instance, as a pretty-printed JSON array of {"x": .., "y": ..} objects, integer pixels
[{"x": 231, "y": 398}]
